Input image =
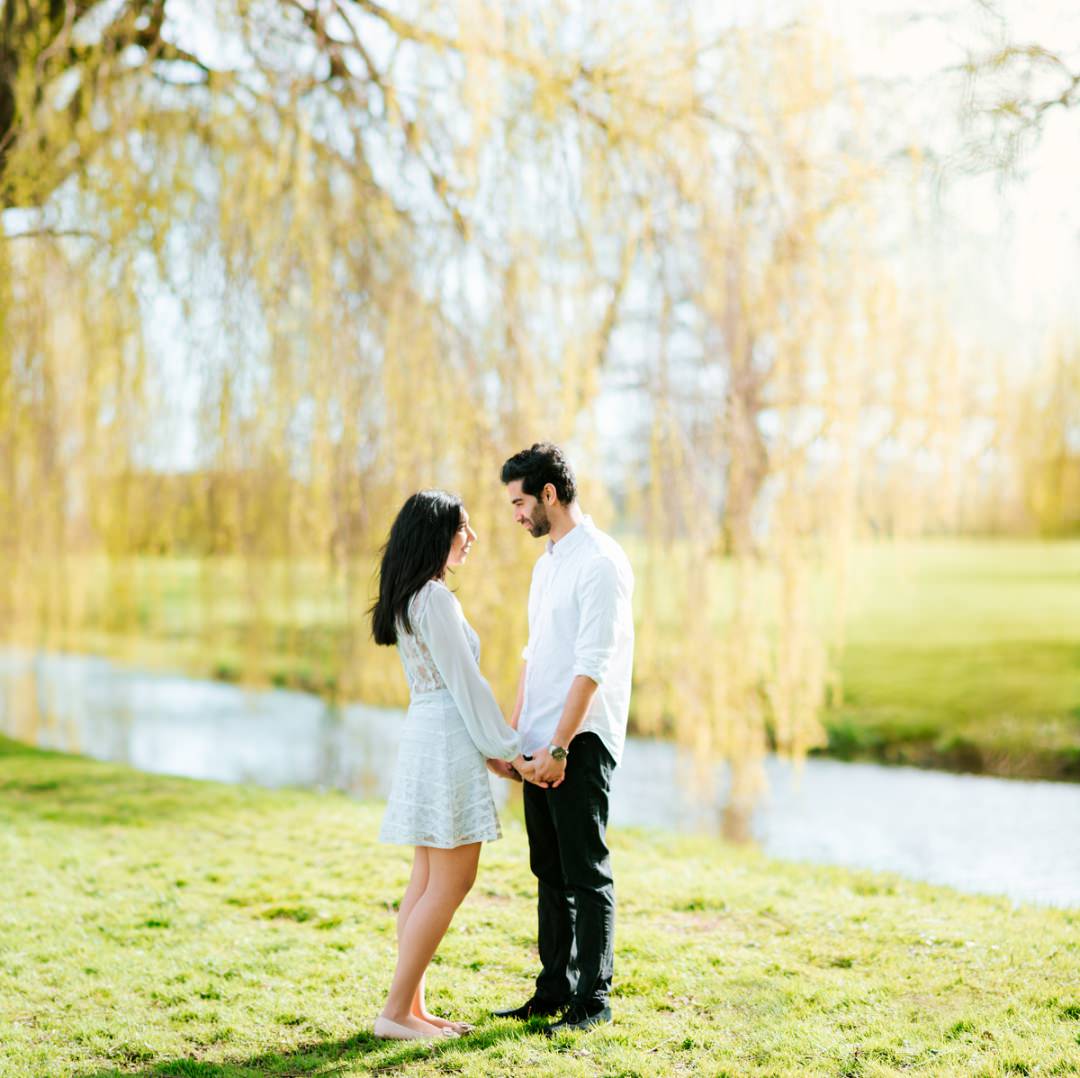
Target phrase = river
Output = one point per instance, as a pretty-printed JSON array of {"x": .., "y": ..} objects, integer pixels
[{"x": 978, "y": 834}]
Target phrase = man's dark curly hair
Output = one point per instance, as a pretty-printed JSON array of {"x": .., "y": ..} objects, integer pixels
[{"x": 539, "y": 465}]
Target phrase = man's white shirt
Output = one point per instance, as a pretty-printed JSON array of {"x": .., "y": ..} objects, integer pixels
[{"x": 580, "y": 622}]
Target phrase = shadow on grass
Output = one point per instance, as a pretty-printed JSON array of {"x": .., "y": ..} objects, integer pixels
[{"x": 326, "y": 1058}]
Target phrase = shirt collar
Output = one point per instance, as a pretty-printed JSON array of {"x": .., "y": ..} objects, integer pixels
[{"x": 571, "y": 539}]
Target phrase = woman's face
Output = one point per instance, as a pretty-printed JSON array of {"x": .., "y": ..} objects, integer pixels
[{"x": 464, "y": 538}]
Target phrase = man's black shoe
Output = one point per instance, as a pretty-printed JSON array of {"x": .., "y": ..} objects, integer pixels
[
  {"x": 579, "y": 1019},
  {"x": 532, "y": 1008}
]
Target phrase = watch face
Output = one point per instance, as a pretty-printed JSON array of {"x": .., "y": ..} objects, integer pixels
[{"x": 558, "y": 752}]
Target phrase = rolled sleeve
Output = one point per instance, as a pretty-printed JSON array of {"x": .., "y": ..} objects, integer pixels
[
  {"x": 443, "y": 627},
  {"x": 594, "y": 647}
]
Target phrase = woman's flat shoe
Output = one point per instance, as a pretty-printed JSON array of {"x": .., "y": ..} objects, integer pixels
[
  {"x": 459, "y": 1029},
  {"x": 386, "y": 1030}
]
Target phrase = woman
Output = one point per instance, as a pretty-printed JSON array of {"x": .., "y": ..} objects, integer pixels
[{"x": 440, "y": 799}]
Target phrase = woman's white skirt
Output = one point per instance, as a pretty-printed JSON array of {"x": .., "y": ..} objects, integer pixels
[{"x": 440, "y": 795}]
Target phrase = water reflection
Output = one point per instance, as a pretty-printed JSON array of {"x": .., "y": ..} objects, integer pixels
[{"x": 1020, "y": 839}]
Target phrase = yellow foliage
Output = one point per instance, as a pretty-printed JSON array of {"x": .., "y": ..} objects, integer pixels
[{"x": 417, "y": 242}]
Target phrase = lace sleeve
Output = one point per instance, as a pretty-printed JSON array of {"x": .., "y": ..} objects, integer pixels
[{"x": 442, "y": 626}]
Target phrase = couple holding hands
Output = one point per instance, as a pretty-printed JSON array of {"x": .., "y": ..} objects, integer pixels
[{"x": 564, "y": 739}]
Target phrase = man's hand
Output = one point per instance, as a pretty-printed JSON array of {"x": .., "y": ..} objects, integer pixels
[
  {"x": 546, "y": 770},
  {"x": 503, "y": 770},
  {"x": 527, "y": 770}
]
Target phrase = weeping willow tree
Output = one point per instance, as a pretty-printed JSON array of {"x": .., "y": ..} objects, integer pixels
[
  {"x": 761, "y": 289},
  {"x": 381, "y": 284},
  {"x": 802, "y": 396},
  {"x": 1042, "y": 441},
  {"x": 1016, "y": 84},
  {"x": 267, "y": 270}
]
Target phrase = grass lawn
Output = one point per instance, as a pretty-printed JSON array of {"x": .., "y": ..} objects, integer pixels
[
  {"x": 964, "y": 654},
  {"x": 164, "y": 927}
]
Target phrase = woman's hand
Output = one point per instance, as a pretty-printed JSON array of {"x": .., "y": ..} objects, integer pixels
[{"x": 503, "y": 769}]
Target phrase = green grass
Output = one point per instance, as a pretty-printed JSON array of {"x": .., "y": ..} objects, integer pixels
[
  {"x": 964, "y": 654},
  {"x": 162, "y": 927},
  {"x": 959, "y": 653}
]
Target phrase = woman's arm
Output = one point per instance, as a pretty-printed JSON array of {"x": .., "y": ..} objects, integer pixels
[{"x": 443, "y": 630}]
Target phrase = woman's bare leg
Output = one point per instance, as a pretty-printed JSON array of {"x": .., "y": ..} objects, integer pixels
[
  {"x": 450, "y": 875},
  {"x": 418, "y": 882},
  {"x": 417, "y": 885},
  {"x": 415, "y": 888}
]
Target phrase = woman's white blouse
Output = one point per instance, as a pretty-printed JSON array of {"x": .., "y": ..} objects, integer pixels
[{"x": 443, "y": 652}]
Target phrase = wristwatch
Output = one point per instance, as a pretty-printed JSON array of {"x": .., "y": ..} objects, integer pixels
[{"x": 557, "y": 752}]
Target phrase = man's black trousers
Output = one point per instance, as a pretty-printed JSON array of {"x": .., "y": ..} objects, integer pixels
[{"x": 569, "y": 857}]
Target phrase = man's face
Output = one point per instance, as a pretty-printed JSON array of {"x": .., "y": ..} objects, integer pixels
[{"x": 529, "y": 512}]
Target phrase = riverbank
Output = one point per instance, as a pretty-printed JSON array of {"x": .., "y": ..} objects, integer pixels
[
  {"x": 962, "y": 654},
  {"x": 160, "y": 927}
]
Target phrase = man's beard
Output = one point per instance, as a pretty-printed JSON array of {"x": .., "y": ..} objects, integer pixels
[{"x": 538, "y": 521}]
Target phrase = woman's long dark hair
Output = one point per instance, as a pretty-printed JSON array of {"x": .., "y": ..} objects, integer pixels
[{"x": 416, "y": 552}]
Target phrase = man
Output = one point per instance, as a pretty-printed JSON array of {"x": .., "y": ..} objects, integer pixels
[{"x": 572, "y": 702}]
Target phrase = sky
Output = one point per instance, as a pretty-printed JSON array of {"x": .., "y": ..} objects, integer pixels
[{"x": 1010, "y": 247}]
